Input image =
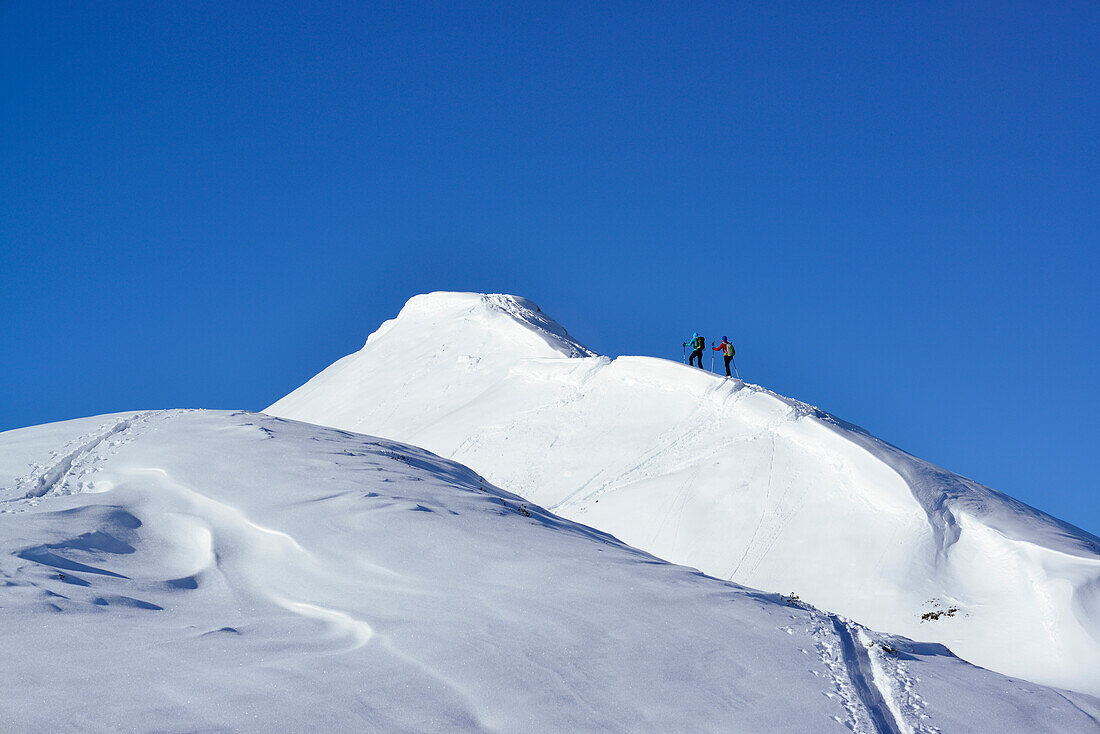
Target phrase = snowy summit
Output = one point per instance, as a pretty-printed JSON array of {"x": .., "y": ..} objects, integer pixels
[
  {"x": 729, "y": 478},
  {"x": 189, "y": 571}
]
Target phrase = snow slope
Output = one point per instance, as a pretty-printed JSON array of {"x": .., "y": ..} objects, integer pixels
[
  {"x": 727, "y": 477},
  {"x": 212, "y": 571}
]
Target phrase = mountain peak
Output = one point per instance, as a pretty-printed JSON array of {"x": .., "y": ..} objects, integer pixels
[
  {"x": 447, "y": 316},
  {"x": 729, "y": 478}
]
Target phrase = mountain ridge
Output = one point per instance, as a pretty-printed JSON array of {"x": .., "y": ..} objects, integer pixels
[{"x": 730, "y": 478}]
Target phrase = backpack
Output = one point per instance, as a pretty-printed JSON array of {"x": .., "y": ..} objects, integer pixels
[
  {"x": 698, "y": 343},
  {"x": 729, "y": 349}
]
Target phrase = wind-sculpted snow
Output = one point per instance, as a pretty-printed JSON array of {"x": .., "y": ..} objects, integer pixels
[
  {"x": 213, "y": 571},
  {"x": 729, "y": 478}
]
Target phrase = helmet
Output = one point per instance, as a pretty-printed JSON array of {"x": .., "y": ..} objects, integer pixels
[
  {"x": 695, "y": 335},
  {"x": 725, "y": 338}
]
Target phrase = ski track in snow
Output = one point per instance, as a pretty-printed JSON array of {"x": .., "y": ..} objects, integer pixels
[
  {"x": 784, "y": 511},
  {"x": 777, "y": 509},
  {"x": 862, "y": 679},
  {"x": 874, "y": 687},
  {"x": 675, "y": 440},
  {"x": 898, "y": 687},
  {"x": 830, "y": 652},
  {"x": 71, "y": 466},
  {"x": 775, "y": 514},
  {"x": 760, "y": 521}
]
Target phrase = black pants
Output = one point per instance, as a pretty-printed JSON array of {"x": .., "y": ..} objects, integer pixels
[
  {"x": 697, "y": 353},
  {"x": 727, "y": 358}
]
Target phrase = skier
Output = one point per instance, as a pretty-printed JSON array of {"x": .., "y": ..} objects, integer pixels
[
  {"x": 697, "y": 344},
  {"x": 727, "y": 353}
]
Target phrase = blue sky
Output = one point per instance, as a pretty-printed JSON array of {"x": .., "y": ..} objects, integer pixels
[{"x": 894, "y": 212}]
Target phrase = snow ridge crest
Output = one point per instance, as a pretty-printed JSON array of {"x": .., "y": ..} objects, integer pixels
[{"x": 488, "y": 308}]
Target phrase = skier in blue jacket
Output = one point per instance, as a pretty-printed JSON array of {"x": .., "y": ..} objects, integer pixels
[{"x": 697, "y": 345}]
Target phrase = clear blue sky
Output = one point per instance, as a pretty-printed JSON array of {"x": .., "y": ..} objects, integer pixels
[{"x": 893, "y": 211}]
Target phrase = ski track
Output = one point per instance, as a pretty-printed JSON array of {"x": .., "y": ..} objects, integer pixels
[
  {"x": 683, "y": 497},
  {"x": 830, "y": 653},
  {"x": 775, "y": 515},
  {"x": 784, "y": 511},
  {"x": 668, "y": 443},
  {"x": 875, "y": 689},
  {"x": 862, "y": 678},
  {"x": 78, "y": 459},
  {"x": 760, "y": 521},
  {"x": 898, "y": 687}
]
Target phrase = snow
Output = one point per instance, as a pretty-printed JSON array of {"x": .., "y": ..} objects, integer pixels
[
  {"x": 726, "y": 477},
  {"x": 214, "y": 571}
]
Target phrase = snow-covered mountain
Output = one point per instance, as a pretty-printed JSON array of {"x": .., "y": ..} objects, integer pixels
[
  {"x": 727, "y": 477},
  {"x": 211, "y": 571}
]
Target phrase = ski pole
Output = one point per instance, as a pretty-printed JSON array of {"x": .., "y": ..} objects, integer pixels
[
  {"x": 712, "y": 356},
  {"x": 685, "y": 352},
  {"x": 735, "y": 368}
]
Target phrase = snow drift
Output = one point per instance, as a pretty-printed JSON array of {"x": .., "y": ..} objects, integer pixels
[
  {"x": 727, "y": 477},
  {"x": 214, "y": 571}
]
